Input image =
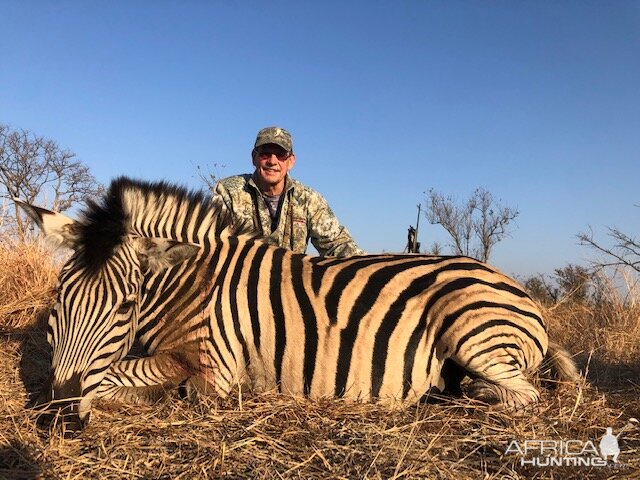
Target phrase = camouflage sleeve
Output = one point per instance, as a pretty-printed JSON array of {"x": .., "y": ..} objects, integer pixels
[
  {"x": 239, "y": 212},
  {"x": 327, "y": 235},
  {"x": 221, "y": 194}
]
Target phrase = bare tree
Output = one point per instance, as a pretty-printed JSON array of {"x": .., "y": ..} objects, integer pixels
[
  {"x": 209, "y": 178},
  {"x": 436, "y": 248},
  {"x": 39, "y": 171},
  {"x": 475, "y": 225},
  {"x": 625, "y": 250}
]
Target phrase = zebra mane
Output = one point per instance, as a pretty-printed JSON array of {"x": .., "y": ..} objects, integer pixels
[{"x": 152, "y": 209}]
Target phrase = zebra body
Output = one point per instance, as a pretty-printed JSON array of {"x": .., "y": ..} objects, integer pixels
[
  {"x": 378, "y": 326},
  {"x": 222, "y": 310}
]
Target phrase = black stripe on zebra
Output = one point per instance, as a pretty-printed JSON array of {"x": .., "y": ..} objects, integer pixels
[
  {"x": 233, "y": 289},
  {"x": 275, "y": 295},
  {"x": 253, "y": 296},
  {"x": 309, "y": 319}
]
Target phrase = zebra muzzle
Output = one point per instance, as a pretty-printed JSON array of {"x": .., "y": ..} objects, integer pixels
[
  {"x": 60, "y": 409},
  {"x": 63, "y": 415}
]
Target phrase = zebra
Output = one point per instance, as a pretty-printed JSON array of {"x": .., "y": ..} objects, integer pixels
[{"x": 217, "y": 308}]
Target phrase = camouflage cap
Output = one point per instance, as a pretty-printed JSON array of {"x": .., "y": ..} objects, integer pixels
[{"x": 276, "y": 135}]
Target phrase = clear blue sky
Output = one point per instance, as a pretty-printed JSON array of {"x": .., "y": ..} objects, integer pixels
[{"x": 538, "y": 102}]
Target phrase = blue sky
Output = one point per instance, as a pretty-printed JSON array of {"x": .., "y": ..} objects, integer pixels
[{"x": 538, "y": 102}]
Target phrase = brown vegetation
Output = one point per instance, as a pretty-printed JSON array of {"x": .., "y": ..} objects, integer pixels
[{"x": 277, "y": 436}]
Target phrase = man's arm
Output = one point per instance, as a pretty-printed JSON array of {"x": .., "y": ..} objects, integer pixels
[
  {"x": 221, "y": 194},
  {"x": 327, "y": 235}
]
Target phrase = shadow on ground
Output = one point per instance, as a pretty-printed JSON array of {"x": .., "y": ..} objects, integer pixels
[
  {"x": 609, "y": 376},
  {"x": 36, "y": 357},
  {"x": 19, "y": 462},
  {"x": 619, "y": 381}
]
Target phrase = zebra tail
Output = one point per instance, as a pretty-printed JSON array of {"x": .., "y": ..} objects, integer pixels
[{"x": 559, "y": 363}]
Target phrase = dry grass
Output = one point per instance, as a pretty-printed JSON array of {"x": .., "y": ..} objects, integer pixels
[
  {"x": 27, "y": 275},
  {"x": 277, "y": 436}
]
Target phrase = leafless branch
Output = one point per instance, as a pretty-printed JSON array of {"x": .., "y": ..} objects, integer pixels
[
  {"x": 208, "y": 177},
  {"x": 475, "y": 225},
  {"x": 624, "y": 251},
  {"x": 38, "y": 171}
]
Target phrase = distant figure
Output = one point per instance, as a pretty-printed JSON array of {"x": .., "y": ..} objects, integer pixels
[
  {"x": 284, "y": 211},
  {"x": 609, "y": 445}
]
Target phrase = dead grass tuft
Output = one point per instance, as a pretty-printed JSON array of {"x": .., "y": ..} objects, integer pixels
[
  {"x": 605, "y": 336},
  {"x": 277, "y": 436},
  {"x": 27, "y": 276}
]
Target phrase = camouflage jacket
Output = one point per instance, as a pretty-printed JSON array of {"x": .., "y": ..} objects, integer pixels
[{"x": 304, "y": 215}]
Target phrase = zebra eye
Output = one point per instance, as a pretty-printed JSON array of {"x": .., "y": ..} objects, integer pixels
[{"x": 126, "y": 307}]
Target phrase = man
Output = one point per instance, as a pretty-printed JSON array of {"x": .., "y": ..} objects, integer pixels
[{"x": 286, "y": 212}]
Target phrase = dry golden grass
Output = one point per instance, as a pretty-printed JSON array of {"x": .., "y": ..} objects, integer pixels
[
  {"x": 277, "y": 436},
  {"x": 27, "y": 275}
]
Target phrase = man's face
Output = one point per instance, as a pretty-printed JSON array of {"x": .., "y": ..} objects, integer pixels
[{"x": 272, "y": 163}]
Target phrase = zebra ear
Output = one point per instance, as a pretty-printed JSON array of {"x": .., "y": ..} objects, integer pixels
[
  {"x": 158, "y": 254},
  {"x": 59, "y": 230}
]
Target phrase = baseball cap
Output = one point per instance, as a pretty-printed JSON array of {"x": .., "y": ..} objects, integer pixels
[{"x": 276, "y": 135}]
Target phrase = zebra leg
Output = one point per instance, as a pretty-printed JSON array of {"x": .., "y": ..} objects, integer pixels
[
  {"x": 452, "y": 374},
  {"x": 145, "y": 380},
  {"x": 198, "y": 385},
  {"x": 448, "y": 385}
]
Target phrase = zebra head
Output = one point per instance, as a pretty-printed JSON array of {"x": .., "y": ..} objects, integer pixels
[{"x": 94, "y": 320}]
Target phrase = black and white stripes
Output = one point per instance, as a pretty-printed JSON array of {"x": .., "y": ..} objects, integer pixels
[{"x": 222, "y": 310}]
